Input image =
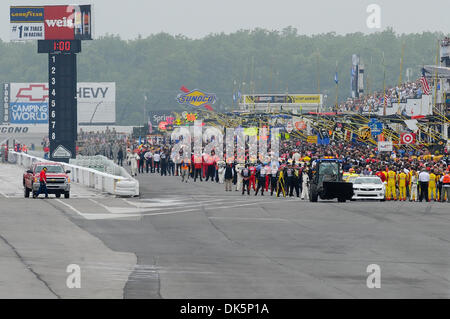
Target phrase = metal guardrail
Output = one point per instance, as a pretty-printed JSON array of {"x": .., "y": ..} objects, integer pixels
[{"x": 121, "y": 185}]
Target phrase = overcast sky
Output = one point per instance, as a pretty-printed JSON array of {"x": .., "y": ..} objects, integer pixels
[{"x": 197, "y": 18}]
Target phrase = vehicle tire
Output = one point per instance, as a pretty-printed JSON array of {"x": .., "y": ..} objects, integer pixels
[
  {"x": 67, "y": 195},
  {"x": 313, "y": 195},
  {"x": 58, "y": 195},
  {"x": 341, "y": 200},
  {"x": 383, "y": 200},
  {"x": 27, "y": 192}
]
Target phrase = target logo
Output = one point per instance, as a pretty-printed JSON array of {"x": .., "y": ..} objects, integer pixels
[{"x": 407, "y": 138}]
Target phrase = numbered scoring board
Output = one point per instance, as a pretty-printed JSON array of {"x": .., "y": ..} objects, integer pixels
[
  {"x": 62, "y": 103},
  {"x": 59, "y": 46}
]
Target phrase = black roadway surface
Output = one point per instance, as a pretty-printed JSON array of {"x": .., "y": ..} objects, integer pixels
[
  {"x": 194, "y": 240},
  {"x": 234, "y": 246}
]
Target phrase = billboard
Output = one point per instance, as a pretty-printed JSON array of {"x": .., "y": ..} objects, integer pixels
[
  {"x": 5, "y": 102},
  {"x": 59, "y": 22},
  {"x": 27, "y": 103},
  {"x": 196, "y": 98},
  {"x": 96, "y": 102},
  {"x": 300, "y": 99}
]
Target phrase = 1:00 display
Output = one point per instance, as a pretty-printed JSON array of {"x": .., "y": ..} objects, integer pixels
[{"x": 61, "y": 46}]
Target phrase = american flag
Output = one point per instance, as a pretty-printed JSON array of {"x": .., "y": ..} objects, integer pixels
[{"x": 425, "y": 86}]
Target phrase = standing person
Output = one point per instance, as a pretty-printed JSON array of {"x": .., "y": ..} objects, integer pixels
[
  {"x": 221, "y": 167},
  {"x": 305, "y": 185},
  {"x": 432, "y": 187},
  {"x": 391, "y": 181},
  {"x": 156, "y": 162},
  {"x": 120, "y": 156},
  {"x": 129, "y": 155},
  {"x": 439, "y": 174},
  {"x": 170, "y": 165},
  {"x": 252, "y": 179},
  {"x": 163, "y": 164},
  {"x": 141, "y": 161},
  {"x": 134, "y": 159},
  {"x": 413, "y": 185},
  {"x": 184, "y": 171},
  {"x": 239, "y": 180},
  {"x": 424, "y": 179},
  {"x": 261, "y": 176},
  {"x": 273, "y": 180},
  {"x": 148, "y": 161},
  {"x": 209, "y": 160},
  {"x": 445, "y": 179},
  {"x": 297, "y": 180},
  {"x": 228, "y": 177},
  {"x": 290, "y": 180},
  {"x": 281, "y": 182},
  {"x": 42, "y": 183},
  {"x": 178, "y": 164},
  {"x": 198, "y": 168},
  {"x": 402, "y": 186},
  {"x": 245, "y": 180}
]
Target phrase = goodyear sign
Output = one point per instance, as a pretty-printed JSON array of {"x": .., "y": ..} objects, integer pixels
[
  {"x": 27, "y": 14},
  {"x": 196, "y": 98}
]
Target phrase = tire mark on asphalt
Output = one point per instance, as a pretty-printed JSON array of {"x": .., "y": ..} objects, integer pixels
[
  {"x": 22, "y": 260},
  {"x": 271, "y": 259},
  {"x": 143, "y": 278}
]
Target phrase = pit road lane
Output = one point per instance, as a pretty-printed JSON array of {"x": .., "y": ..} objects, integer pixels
[{"x": 197, "y": 241}]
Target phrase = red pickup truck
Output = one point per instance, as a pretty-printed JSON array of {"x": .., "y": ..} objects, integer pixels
[{"x": 58, "y": 180}]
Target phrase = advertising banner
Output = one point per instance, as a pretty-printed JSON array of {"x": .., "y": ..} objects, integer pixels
[
  {"x": 196, "y": 98},
  {"x": 5, "y": 101},
  {"x": 300, "y": 99},
  {"x": 59, "y": 22},
  {"x": 166, "y": 117},
  {"x": 407, "y": 138},
  {"x": 28, "y": 103},
  {"x": 27, "y": 23},
  {"x": 96, "y": 102},
  {"x": 384, "y": 146}
]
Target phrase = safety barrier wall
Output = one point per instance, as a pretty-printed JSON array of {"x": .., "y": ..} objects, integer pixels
[{"x": 117, "y": 185}]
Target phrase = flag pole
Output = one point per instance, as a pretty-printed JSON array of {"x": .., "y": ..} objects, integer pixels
[
  {"x": 384, "y": 87},
  {"x": 337, "y": 81}
]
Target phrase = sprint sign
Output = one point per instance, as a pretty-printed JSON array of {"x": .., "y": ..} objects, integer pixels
[{"x": 408, "y": 138}]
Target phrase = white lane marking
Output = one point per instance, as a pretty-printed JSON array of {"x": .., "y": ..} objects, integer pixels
[
  {"x": 115, "y": 214},
  {"x": 97, "y": 216},
  {"x": 72, "y": 208},
  {"x": 190, "y": 210},
  {"x": 165, "y": 202},
  {"x": 120, "y": 210},
  {"x": 109, "y": 216},
  {"x": 3, "y": 194},
  {"x": 185, "y": 205},
  {"x": 250, "y": 218}
]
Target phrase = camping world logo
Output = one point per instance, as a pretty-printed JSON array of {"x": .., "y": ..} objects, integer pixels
[{"x": 196, "y": 98}]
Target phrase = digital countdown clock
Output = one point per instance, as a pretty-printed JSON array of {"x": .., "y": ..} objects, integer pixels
[{"x": 59, "y": 46}]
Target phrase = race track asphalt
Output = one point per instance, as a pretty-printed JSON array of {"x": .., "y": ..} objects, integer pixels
[{"x": 194, "y": 240}]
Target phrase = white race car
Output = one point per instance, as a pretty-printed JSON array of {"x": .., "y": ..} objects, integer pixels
[{"x": 368, "y": 187}]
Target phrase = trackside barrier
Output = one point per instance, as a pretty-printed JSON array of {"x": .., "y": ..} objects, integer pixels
[{"x": 113, "y": 184}]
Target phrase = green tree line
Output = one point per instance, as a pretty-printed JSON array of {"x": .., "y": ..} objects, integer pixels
[{"x": 251, "y": 61}]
